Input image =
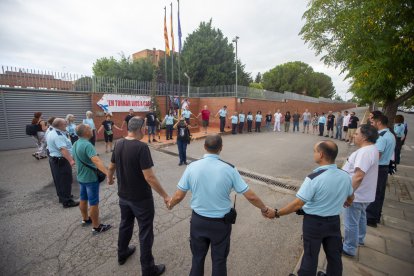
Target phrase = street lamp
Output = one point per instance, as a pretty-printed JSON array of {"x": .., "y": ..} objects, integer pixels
[
  {"x": 235, "y": 41},
  {"x": 188, "y": 89}
]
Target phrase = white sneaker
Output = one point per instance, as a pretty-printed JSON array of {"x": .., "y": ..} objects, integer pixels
[{"x": 352, "y": 144}]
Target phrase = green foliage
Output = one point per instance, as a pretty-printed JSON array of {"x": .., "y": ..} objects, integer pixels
[
  {"x": 371, "y": 40},
  {"x": 125, "y": 68},
  {"x": 83, "y": 84},
  {"x": 208, "y": 58},
  {"x": 258, "y": 78},
  {"x": 300, "y": 78},
  {"x": 256, "y": 85},
  {"x": 154, "y": 103},
  {"x": 161, "y": 71}
]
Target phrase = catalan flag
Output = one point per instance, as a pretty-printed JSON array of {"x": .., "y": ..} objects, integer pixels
[
  {"x": 172, "y": 32},
  {"x": 167, "y": 46}
]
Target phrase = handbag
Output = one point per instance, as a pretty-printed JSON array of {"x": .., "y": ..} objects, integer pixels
[{"x": 101, "y": 176}]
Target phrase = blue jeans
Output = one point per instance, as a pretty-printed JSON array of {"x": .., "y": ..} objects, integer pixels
[
  {"x": 355, "y": 226},
  {"x": 338, "y": 134},
  {"x": 182, "y": 150},
  {"x": 89, "y": 191},
  {"x": 295, "y": 125}
]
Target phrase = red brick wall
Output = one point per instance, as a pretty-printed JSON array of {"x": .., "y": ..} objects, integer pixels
[{"x": 214, "y": 105}]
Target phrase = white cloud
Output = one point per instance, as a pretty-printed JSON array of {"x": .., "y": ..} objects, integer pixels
[{"x": 69, "y": 36}]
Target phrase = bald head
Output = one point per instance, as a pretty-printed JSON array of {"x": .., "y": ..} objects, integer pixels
[
  {"x": 59, "y": 123},
  {"x": 328, "y": 149},
  {"x": 213, "y": 143}
]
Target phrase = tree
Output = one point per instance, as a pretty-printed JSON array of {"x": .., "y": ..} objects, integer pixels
[
  {"x": 256, "y": 85},
  {"x": 371, "y": 40},
  {"x": 208, "y": 57},
  {"x": 298, "y": 77},
  {"x": 258, "y": 78},
  {"x": 161, "y": 71},
  {"x": 125, "y": 68}
]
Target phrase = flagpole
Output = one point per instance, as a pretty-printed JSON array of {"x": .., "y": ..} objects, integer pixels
[
  {"x": 172, "y": 48},
  {"x": 165, "y": 47},
  {"x": 179, "y": 46}
]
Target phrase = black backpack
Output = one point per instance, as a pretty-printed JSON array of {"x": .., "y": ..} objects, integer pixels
[{"x": 31, "y": 129}]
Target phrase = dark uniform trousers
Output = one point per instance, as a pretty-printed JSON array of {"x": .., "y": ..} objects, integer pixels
[
  {"x": 62, "y": 177},
  {"x": 326, "y": 231},
  {"x": 374, "y": 209},
  {"x": 144, "y": 212},
  {"x": 249, "y": 125},
  {"x": 241, "y": 125},
  {"x": 222, "y": 123},
  {"x": 321, "y": 129},
  {"x": 203, "y": 233},
  {"x": 233, "y": 128}
]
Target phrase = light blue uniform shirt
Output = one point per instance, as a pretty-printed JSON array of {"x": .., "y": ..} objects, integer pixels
[
  {"x": 386, "y": 146},
  {"x": 169, "y": 120},
  {"x": 90, "y": 123},
  {"x": 259, "y": 117},
  {"x": 322, "y": 120},
  {"x": 210, "y": 181},
  {"x": 324, "y": 192},
  {"x": 241, "y": 118},
  {"x": 234, "y": 119},
  {"x": 186, "y": 113},
  {"x": 223, "y": 112},
  {"x": 250, "y": 117},
  {"x": 399, "y": 130},
  {"x": 71, "y": 129},
  {"x": 56, "y": 140}
]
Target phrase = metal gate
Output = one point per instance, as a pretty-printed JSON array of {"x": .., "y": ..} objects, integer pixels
[{"x": 18, "y": 106}]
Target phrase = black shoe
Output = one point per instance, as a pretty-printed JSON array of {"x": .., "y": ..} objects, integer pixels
[
  {"x": 70, "y": 204},
  {"x": 320, "y": 273},
  {"x": 86, "y": 222},
  {"x": 326, "y": 135},
  {"x": 179, "y": 164},
  {"x": 159, "y": 269},
  {"x": 130, "y": 251},
  {"x": 372, "y": 224},
  {"x": 331, "y": 137},
  {"x": 185, "y": 163},
  {"x": 101, "y": 228},
  {"x": 347, "y": 254},
  {"x": 154, "y": 140},
  {"x": 149, "y": 141}
]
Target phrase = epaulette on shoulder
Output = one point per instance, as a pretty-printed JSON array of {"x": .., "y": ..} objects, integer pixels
[
  {"x": 315, "y": 174},
  {"x": 58, "y": 132},
  {"x": 231, "y": 165}
]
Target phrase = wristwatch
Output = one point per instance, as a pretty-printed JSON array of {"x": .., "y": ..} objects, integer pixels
[{"x": 277, "y": 213}]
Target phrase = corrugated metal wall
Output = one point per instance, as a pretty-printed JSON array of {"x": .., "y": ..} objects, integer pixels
[{"x": 17, "y": 109}]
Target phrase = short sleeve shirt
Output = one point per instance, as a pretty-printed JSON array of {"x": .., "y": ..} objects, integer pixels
[
  {"x": 211, "y": 191},
  {"x": 259, "y": 117},
  {"x": 108, "y": 126},
  {"x": 331, "y": 119},
  {"x": 325, "y": 191},
  {"x": 268, "y": 118},
  {"x": 386, "y": 146},
  {"x": 223, "y": 112},
  {"x": 353, "y": 122},
  {"x": 339, "y": 120},
  {"x": 234, "y": 119},
  {"x": 322, "y": 120},
  {"x": 278, "y": 116},
  {"x": 399, "y": 130},
  {"x": 130, "y": 158},
  {"x": 71, "y": 129},
  {"x": 151, "y": 117},
  {"x": 90, "y": 123},
  {"x": 241, "y": 118},
  {"x": 249, "y": 117},
  {"x": 186, "y": 113},
  {"x": 205, "y": 115},
  {"x": 306, "y": 116},
  {"x": 366, "y": 159},
  {"x": 84, "y": 150},
  {"x": 169, "y": 119},
  {"x": 296, "y": 117},
  {"x": 57, "y": 140},
  {"x": 128, "y": 117}
]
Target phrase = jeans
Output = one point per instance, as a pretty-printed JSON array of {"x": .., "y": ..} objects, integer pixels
[
  {"x": 182, "y": 150},
  {"x": 268, "y": 124},
  {"x": 143, "y": 211},
  {"x": 338, "y": 134},
  {"x": 89, "y": 191},
  {"x": 295, "y": 125},
  {"x": 355, "y": 226}
]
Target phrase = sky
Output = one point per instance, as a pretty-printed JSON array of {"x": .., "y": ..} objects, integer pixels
[{"x": 69, "y": 36}]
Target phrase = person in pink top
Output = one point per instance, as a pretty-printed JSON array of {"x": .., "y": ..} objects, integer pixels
[{"x": 205, "y": 117}]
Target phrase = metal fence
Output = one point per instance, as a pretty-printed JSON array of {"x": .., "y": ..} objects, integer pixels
[{"x": 12, "y": 77}]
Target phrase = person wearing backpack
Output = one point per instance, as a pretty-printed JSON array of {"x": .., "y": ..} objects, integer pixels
[
  {"x": 183, "y": 138},
  {"x": 39, "y": 136}
]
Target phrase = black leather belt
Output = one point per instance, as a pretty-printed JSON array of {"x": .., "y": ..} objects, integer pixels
[
  {"x": 323, "y": 218},
  {"x": 206, "y": 218}
]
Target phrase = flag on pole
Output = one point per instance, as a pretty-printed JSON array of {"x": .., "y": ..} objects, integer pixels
[
  {"x": 179, "y": 28},
  {"x": 172, "y": 32},
  {"x": 167, "y": 46}
]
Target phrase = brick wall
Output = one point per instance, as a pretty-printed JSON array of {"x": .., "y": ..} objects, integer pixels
[{"x": 214, "y": 105}]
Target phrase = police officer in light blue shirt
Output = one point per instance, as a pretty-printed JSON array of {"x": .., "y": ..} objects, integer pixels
[
  {"x": 186, "y": 114},
  {"x": 211, "y": 203},
  {"x": 61, "y": 162},
  {"x": 321, "y": 122},
  {"x": 234, "y": 120},
  {"x": 169, "y": 124},
  {"x": 321, "y": 198},
  {"x": 223, "y": 115},
  {"x": 242, "y": 118},
  {"x": 386, "y": 146}
]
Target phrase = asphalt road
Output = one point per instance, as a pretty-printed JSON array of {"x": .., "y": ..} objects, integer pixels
[{"x": 39, "y": 237}]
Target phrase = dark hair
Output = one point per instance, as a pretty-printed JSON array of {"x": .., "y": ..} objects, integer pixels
[
  {"x": 399, "y": 119},
  {"x": 249, "y": 112},
  {"x": 375, "y": 114},
  {"x": 287, "y": 112},
  {"x": 50, "y": 120},
  {"x": 329, "y": 150},
  {"x": 382, "y": 119},
  {"x": 369, "y": 132},
  {"x": 213, "y": 143},
  {"x": 36, "y": 118},
  {"x": 259, "y": 112}
]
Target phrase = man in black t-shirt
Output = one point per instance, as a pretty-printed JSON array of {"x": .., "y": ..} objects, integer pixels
[
  {"x": 133, "y": 164},
  {"x": 268, "y": 120},
  {"x": 151, "y": 121},
  {"x": 352, "y": 127},
  {"x": 330, "y": 121},
  {"x": 127, "y": 118}
]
